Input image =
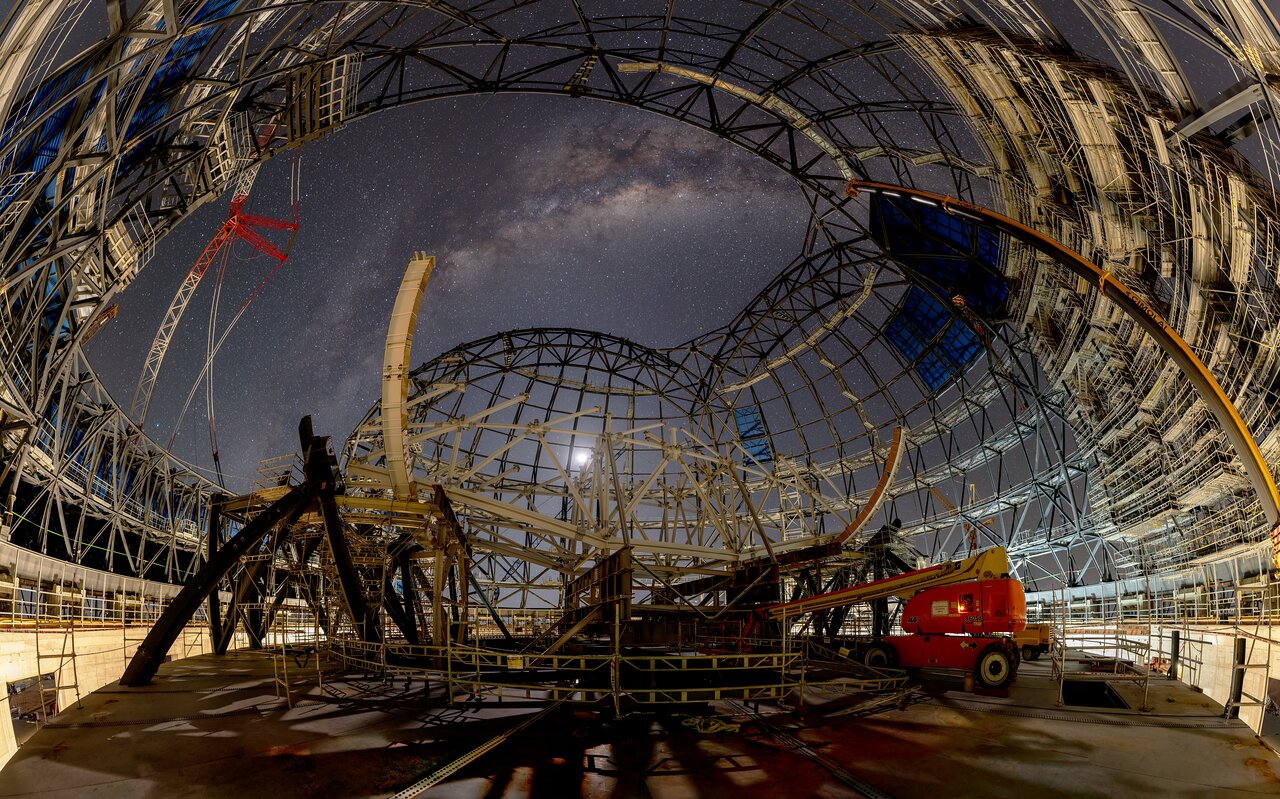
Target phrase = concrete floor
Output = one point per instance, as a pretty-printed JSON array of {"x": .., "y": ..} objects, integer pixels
[{"x": 213, "y": 727}]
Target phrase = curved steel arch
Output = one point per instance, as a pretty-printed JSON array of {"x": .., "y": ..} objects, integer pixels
[
  {"x": 95, "y": 249},
  {"x": 1139, "y": 310},
  {"x": 816, "y": 332},
  {"x": 63, "y": 257}
]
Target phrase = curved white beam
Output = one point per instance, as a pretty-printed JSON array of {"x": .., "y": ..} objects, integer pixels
[
  {"x": 769, "y": 102},
  {"x": 395, "y": 371}
]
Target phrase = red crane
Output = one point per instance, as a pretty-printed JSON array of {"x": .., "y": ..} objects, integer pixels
[{"x": 240, "y": 226}]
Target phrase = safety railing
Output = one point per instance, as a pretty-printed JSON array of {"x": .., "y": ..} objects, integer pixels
[{"x": 674, "y": 677}]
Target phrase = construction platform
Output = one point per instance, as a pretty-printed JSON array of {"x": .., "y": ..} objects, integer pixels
[{"x": 215, "y": 726}]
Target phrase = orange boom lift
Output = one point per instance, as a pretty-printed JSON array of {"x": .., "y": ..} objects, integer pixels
[{"x": 957, "y": 616}]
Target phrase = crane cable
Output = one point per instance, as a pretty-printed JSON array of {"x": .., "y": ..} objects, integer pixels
[
  {"x": 214, "y": 342},
  {"x": 210, "y": 334},
  {"x": 222, "y": 339}
]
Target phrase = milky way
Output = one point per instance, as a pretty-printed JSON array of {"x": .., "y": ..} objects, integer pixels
[{"x": 540, "y": 211}]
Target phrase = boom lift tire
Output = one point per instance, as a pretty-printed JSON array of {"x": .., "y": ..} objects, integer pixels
[
  {"x": 994, "y": 668},
  {"x": 1030, "y": 652},
  {"x": 880, "y": 656}
]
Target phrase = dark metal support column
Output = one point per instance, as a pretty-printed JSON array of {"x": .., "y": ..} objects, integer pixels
[
  {"x": 1175, "y": 647},
  {"x": 395, "y": 609},
  {"x": 1237, "y": 680},
  {"x": 410, "y": 593},
  {"x": 879, "y": 607},
  {"x": 319, "y": 472},
  {"x": 348, "y": 577},
  {"x": 223, "y": 641},
  {"x": 403, "y": 611},
  {"x": 167, "y": 628},
  {"x": 836, "y": 616},
  {"x": 254, "y": 618},
  {"x": 213, "y": 538},
  {"x": 493, "y": 612},
  {"x": 249, "y": 589}
]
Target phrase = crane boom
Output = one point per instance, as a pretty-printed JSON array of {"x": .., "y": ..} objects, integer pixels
[
  {"x": 160, "y": 344},
  {"x": 238, "y": 225},
  {"x": 988, "y": 564}
]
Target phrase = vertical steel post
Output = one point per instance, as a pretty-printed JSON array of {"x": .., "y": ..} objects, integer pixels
[
  {"x": 448, "y": 659},
  {"x": 1237, "y": 680},
  {"x": 409, "y": 595},
  {"x": 617, "y": 659},
  {"x": 213, "y": 538}
]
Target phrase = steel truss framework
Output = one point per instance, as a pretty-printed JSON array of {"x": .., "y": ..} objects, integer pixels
[{"x": 1071, "y": 440}]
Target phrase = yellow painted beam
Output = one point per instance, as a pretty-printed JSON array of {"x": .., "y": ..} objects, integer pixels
[{"x": 986, "y": 565}]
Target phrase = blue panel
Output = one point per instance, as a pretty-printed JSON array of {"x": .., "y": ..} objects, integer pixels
[
  {"x": 961, "y": 259},
  {"x": 750, "y": 424},
  {"x": 958, "y": 255},
  {"x": 173, "y": 68},
  {"x": 925, "y": 333},
  {"x": 752, "y": 433},
  {"x": 37, "y": 150},
  {"x": 758, "y": 449}
]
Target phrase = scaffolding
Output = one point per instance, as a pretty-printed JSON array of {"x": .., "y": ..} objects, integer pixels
[{"x": 756, "y": 441}]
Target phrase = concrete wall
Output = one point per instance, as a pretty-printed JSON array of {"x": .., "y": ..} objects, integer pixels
[
  {"x": 1206, "y": 656},
  {"x": 100, "y": 656},
  {"x": 1207, "y": 661},
  {"x": 42, "y": 599}
]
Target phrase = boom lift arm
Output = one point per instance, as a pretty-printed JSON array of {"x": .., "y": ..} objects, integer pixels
[
  {"x": 956, "y": 616},
  {"x": 986, "y": 565}
]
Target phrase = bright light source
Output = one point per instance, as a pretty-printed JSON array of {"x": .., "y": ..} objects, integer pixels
[{"x": 581, "y": 457}]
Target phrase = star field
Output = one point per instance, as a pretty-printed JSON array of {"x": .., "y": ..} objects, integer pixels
[{"x": 540, "y": 212}]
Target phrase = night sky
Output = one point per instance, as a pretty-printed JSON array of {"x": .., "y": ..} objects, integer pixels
[{"x": 541, "y": 211}]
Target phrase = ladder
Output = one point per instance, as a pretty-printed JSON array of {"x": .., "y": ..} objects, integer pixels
[
  {"x": 1257, "y": 658},
  {"x": 309, "y": 581},
  {"x": 54, "y": 658},
  {"x": 1058, "y": 640}
]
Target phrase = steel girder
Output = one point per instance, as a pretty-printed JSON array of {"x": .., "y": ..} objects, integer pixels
[{"x": 129, "y": 155}]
